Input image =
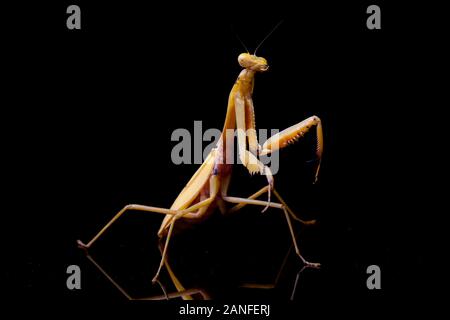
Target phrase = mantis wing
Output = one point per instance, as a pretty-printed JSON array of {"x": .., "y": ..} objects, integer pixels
[{"x": 192, "y": 189}]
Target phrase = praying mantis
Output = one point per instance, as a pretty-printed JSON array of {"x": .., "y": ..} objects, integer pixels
[{"x": 207, "y": 190}]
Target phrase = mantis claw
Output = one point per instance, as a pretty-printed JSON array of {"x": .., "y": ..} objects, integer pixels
[
  {"x": 307, "y": 264},
  {"x": 269, "y": 193},
  {"x": 81, "y": 245},
  {"x": 313, "y": 265},
  {"x": 155, "y": 279}
]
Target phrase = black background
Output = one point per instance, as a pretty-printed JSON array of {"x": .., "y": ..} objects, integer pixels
[{"x": 88, "y": 125}]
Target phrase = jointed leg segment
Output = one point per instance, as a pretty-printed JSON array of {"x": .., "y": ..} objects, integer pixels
[
  {"x": 186, "y": 213},
  {"x": 277, "y": 195},
  {"x": 291, "y": 134},
  {"x": 136, "y": 207},
  {"x": 287, "y": 212}
]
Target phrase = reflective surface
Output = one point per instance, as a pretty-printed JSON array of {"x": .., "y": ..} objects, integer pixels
[{"x": 92, "y": 115}]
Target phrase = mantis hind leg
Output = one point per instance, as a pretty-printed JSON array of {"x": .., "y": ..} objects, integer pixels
[
  {"x": 277, "y": 195},
  {"x": 127, "y": 208},
  {"x": 200, "y": 208},
  {"x": 193, "y": 212},
  {"x": 246, "y": 201}
]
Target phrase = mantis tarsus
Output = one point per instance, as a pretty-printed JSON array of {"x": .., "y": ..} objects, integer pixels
[{"x": 208, "y": 188}]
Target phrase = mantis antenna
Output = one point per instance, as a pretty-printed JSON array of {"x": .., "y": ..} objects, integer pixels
[
  {"x": 242, "y": 43},
  {"x": 268, "y": 35},
  {"x": 240, "y": 40}
]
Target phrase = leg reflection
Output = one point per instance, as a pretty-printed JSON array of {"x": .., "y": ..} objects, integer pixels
[
  {"x": 179, "y": 294},
  {"x": 198, "y": 293},
  {"x": 274, "y": 284}
]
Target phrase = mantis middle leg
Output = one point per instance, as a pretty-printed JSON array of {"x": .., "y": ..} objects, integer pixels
[{"x": 288, "y": 219}]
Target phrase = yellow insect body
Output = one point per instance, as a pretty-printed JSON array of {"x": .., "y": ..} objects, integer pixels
[{"x": 208, "y": 187}]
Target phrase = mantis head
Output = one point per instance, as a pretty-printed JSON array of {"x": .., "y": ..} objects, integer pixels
[{"x": 252, "y": 62}]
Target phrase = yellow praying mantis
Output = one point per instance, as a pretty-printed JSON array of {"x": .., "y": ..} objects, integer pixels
[{"x": 208, "y": 187}]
